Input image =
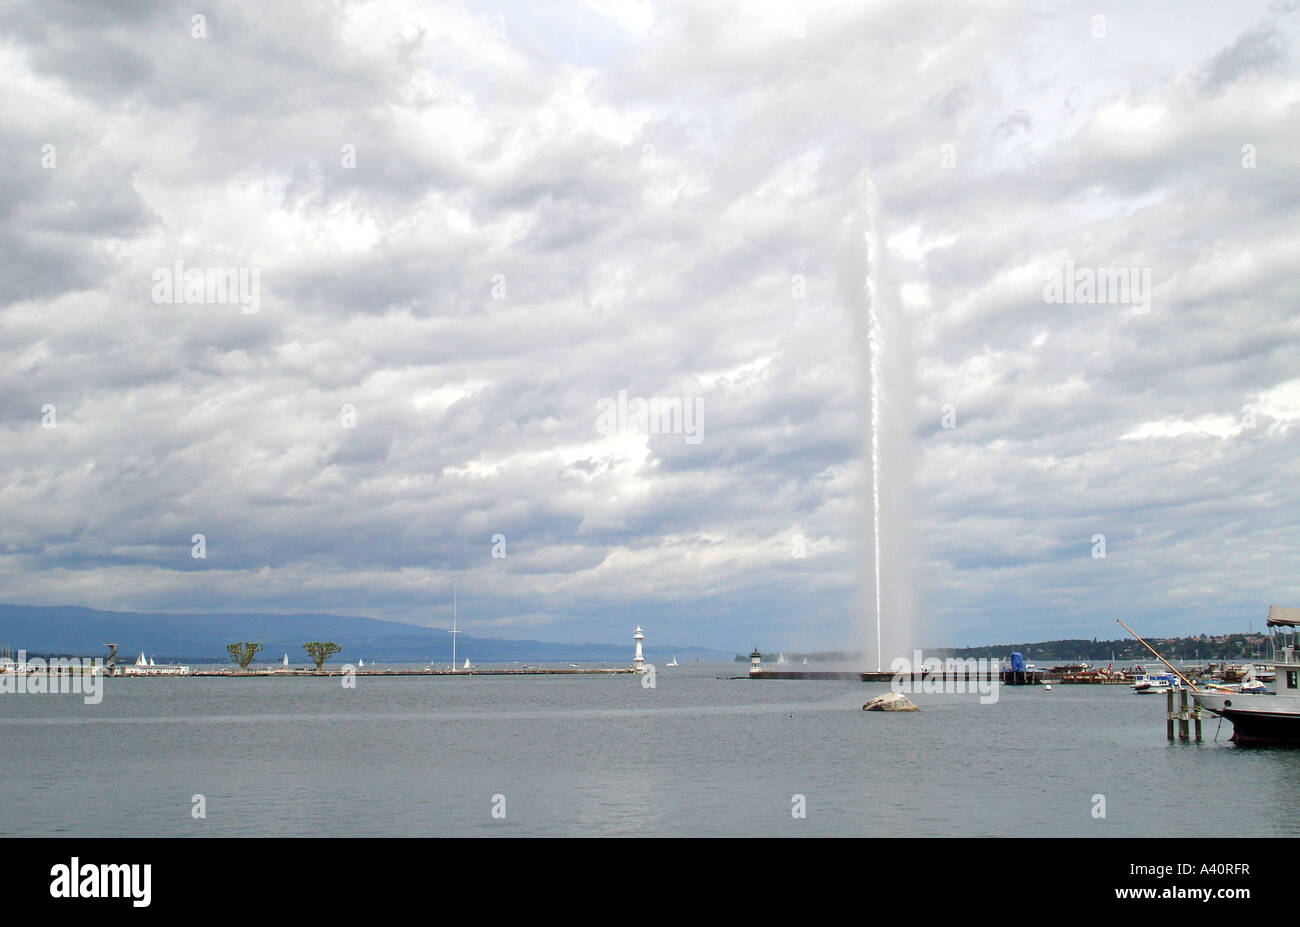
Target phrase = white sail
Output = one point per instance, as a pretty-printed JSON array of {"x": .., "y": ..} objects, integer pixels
[{"x": 467, "y": 666}]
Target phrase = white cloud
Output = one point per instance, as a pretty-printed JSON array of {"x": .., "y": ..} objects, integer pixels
[{"x": 550, "y": 206}]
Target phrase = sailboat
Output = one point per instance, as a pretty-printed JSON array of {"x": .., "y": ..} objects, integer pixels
[
  {"x": 805, "y": 661},
  {"x": 429, "y": 667},
  {"x": 360, "y": 663},
  {"x": 284, "y": 661},
  {"x": 780, "y": 658},
  {"x": 453, "y": 626},
  {"x": 674, "y": 663}
]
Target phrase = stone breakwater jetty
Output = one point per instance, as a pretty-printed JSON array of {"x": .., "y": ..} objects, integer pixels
[
  {"x": 869, "y": 676},
  {"x": 146, "y": 667},
  {"x": 340, "y": 671}
]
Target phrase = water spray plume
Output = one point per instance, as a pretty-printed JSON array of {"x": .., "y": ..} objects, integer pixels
[{"x": 874, "y": 303}]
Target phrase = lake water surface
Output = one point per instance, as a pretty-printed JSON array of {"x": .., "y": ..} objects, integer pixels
[{"x": 566, "y": 755}]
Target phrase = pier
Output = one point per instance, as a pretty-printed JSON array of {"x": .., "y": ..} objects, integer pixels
[
  {"x": 874, "y": 676},
  {"x": 1181, "y": 715},
  {"x": 339, "y": 671},
  {"x": 1019, "y": 674},
  {"x": 807, "y": 674}
]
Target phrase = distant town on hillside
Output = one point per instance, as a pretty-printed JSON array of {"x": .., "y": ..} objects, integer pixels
[{"x": 1201, "y": 647}]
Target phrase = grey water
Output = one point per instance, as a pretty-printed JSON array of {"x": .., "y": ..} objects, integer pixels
[{"x": 698, "y": 754}]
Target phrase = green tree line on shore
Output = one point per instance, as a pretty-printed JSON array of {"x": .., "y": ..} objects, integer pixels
[{"x": 1199, "y": 647}]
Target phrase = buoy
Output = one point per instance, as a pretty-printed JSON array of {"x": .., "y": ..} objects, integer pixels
[{"x": 1048, "y": 687}]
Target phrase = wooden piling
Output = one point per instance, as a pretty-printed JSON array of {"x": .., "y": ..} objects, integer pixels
[
  {"x": 1183, "y": 732},
  {"x": 1169, "y": 714}
]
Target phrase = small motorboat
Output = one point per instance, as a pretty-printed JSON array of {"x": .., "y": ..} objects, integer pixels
[{"x": 1155, "y": 683}]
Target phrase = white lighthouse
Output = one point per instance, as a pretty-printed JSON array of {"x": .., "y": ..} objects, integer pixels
[{"x": 638, "y": 661}]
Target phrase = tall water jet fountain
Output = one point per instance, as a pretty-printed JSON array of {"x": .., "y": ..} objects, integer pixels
[{"x": 885, "y": 615}]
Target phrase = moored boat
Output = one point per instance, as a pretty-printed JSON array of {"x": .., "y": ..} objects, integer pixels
[
  {"x": 1019, "y": 673},
  {"x": 1154, "y": 683},
  {"x": 1262, "y": 717}
]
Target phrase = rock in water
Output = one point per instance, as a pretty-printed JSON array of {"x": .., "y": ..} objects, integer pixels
[{"x": 891, "y": 701}]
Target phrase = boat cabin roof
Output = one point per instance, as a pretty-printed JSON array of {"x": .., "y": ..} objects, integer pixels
[{"x": 1283, "y": 617}]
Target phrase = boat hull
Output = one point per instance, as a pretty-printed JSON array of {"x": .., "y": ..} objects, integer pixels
[
  {"x": 1263, "y": 727},
  {"x": 1213, "y": 701},
  {"x": 1256, "y": 718}
]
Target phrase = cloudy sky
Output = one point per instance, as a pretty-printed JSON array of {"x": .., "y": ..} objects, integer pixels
[{"x": 470, "y": 226}]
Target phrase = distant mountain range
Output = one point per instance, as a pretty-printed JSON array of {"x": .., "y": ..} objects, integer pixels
[{"x": 70, "y": 630}]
